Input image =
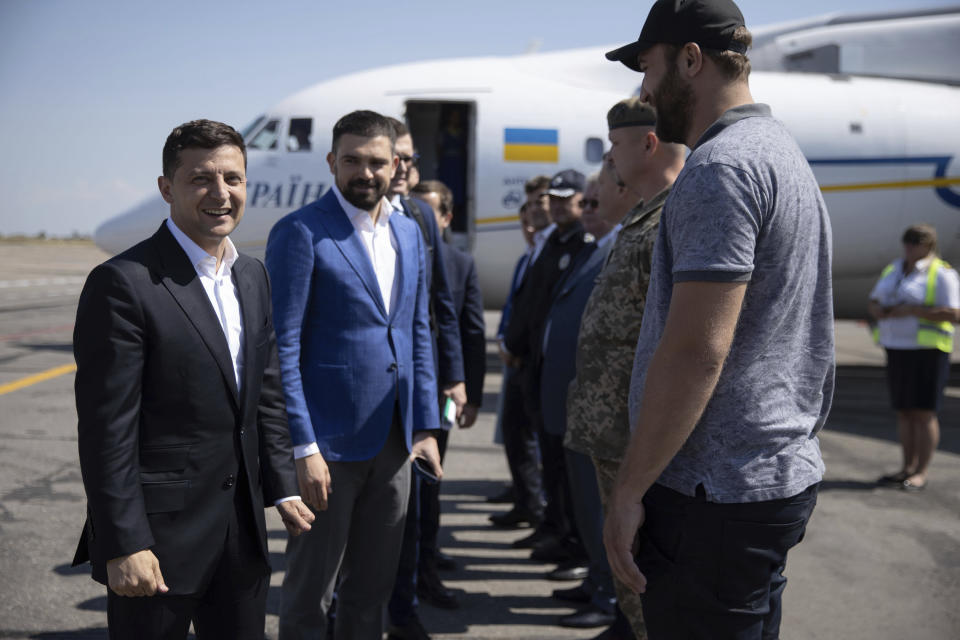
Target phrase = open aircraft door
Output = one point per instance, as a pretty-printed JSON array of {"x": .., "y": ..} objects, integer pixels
[{"x": 444, "y": 133}]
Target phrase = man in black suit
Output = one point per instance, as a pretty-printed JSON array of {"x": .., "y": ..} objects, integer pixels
[
  {"x": 182, "y": 429},
  {"x": 468, "y": 304}
]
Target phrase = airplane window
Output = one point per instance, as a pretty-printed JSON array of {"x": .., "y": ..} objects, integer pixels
[
  {"x": 266, "y": 138},
  {"x": 298, "y": 138},
  {"x": 250, "y": 128},
  {"x": 593, "y": 151}
]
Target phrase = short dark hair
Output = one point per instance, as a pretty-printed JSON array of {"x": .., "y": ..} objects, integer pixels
[
  {"x": 366, "y": 124},
  {"x": 921, "y": 234},
  {"x": 733, "y": 65},
  {"x": 400, "y": 129},
  {"x": 199, "y": 134},
  {"x": 442, "y": 191},
  {"x": 536, "y": 182}
]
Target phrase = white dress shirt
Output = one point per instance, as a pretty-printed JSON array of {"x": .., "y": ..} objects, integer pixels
[
  {"x": 222, "y": 293},
  {"x": 378, "y": 240},
  {"x": 381, "y": 248}
]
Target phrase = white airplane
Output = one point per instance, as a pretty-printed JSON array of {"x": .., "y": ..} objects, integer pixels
[{"x": 882, "y": 149}]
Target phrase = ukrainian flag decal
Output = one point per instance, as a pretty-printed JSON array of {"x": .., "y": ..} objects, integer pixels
[{"x": 530, "y": 145}]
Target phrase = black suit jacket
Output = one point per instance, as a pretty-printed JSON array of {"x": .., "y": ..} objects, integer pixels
[
  {"x": 468, "y": 304},
  {"x": 164, "y": 434}
]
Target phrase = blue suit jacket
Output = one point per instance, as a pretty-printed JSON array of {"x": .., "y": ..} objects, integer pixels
[
  {"x": 560, "y": 354},
  {"x": 518, "y": 270},
  {"x": 345, "y": 362}
]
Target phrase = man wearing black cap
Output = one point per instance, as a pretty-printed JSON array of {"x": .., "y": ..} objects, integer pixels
[
  {"x": 524, "y": 338},
  {"x": 733, "y": 373}
]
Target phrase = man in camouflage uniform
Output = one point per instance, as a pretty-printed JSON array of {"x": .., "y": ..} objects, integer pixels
[{"x": 597, "y": 415}]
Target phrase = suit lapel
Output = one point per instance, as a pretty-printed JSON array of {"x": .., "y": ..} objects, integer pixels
[
  {"x": 405, "y": 253},
  {"x": 247, "y": 294},
  {"x": 181, "y": 280},
  {"x": 341, "y": 230}
]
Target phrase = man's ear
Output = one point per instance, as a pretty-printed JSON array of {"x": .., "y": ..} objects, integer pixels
[
  {"x": 165, "y": 187},
  {"x": 332, "y": 161},
  {"x": 652, "y": 142},
  {"x": 690, "y": 59}
]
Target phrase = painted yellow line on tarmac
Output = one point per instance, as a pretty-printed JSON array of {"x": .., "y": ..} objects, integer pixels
[{"x": 37, "y": 377}]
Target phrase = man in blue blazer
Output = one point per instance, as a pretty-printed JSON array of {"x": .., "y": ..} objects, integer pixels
[{"x": 353, "y": 333}]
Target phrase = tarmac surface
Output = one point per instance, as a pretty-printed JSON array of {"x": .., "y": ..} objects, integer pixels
[{"x": 876, "y": 563}]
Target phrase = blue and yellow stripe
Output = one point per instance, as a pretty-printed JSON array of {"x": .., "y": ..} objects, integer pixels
[{"x": 531, "y": 145}]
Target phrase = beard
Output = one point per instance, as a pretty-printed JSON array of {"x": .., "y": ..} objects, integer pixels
[
  {"x": 674, "y": 101},
  {"x": 354, "y": 192}
]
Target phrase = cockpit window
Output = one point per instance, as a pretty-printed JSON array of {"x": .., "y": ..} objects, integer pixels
[
  {"x": 298, "y": 138},
  {"x": 250, "y": 128},
  {"x": 266, "y": 138}
]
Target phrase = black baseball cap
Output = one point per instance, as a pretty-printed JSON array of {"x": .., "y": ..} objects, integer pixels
[
  {"x": 709, "y": 23},
  {"x": 566, "y": 183}
]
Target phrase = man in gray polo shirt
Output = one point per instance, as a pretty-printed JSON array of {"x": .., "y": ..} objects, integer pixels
[{"x": 733, "y": 374}]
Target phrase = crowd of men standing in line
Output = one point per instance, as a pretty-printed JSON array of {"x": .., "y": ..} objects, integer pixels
[{"x": 644, "y": 345}]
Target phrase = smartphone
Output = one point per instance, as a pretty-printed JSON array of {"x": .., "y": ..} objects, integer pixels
[
  {"x": 449, "y": 413},
  {"x": 422, "y": 468}
]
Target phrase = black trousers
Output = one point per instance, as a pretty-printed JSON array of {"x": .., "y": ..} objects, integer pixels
[
  {"x": 232, "y": 607},
  {"x": 521, "y": 446},
  {"x": 715, "y": 571},
  {"x": 430, "y": 509}
]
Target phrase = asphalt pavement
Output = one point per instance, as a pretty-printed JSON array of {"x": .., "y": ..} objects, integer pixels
[{"x": 877, "y": 563}]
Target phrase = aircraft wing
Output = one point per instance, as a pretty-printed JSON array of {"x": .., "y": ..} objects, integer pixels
[{"x": 919, "y": 45}]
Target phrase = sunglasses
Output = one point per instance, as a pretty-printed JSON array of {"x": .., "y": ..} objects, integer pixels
[
  {"x": 584, "y": 204},
  {"x": 410, "y": 160}
]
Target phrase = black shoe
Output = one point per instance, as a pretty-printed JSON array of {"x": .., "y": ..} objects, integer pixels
[
  {"x": 569, "y": 570},
  {"x": 515, "y": 518},
  {"x": 573, "y": 594},
  {"x": 587, "y": 618},
  {"x": 504, "y": 497},
  {"x": 444, "y": 561},
  {"x": 432, "y": 591},
  {"x": 412, "y": 630},
  {"x": 550, "y": 549},
  {"x": 528, "y": 542}
]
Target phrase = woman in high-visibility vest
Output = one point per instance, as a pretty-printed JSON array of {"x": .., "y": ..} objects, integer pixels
[{"x": 915, "y": 302}]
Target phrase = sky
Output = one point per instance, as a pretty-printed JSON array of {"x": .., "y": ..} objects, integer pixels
[{"x": 90, "y": 89}]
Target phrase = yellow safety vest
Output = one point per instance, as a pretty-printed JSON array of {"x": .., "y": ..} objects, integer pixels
[{"x": 932, "y": 335}]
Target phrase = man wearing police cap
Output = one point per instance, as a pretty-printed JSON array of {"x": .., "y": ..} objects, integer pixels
[
  {"x": 524, "y": 338},
  {"x": 734, "y": 368}
]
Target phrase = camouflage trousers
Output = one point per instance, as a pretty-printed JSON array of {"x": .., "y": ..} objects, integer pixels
[{"x": 628, "y": 601}]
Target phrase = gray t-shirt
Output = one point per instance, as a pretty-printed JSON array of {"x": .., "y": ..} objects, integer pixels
[{"x": 747, "y": 208}]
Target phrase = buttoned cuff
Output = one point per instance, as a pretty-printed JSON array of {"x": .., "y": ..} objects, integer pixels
[
  {"x": 304, "y": 450},
  {"x": 287, "y": 499}
]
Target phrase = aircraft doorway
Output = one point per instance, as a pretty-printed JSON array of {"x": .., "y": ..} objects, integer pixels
[{"x": 444, "y": 135}]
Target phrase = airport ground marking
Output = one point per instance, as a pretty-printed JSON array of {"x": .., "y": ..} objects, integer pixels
[{"x": 37, "y": 377}]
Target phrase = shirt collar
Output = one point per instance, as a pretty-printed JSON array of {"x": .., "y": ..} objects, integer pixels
[
  {"x": 610, "y": 237},
  {"x": 543, "y": 233},
  {"x": 732, "y": 116},
  {"x": 396, "y": 203},
  {"x": 357, "y": 214},
  {"x": 924, "y": 264},
  {"x": 203, "y": 262}
]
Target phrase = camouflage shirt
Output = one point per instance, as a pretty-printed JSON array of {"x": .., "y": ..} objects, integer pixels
[{"x": 597, "y": 418}]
